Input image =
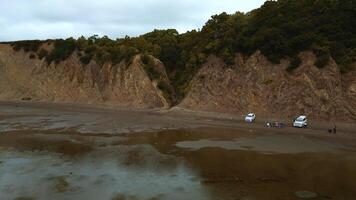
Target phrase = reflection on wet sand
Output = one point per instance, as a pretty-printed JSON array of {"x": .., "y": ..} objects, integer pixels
[
  {"x": 181, "y": 164},
  {"x": 136, "y": 172}
]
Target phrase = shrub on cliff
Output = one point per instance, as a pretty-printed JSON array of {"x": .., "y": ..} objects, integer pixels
[
  {"x": 42, "y": 54},
  {"x": 150, "y": 67},
  {"x": 61, "y": 51},
  {"x": 27, "y": 45},
  {"x": 166, "y": 90},
  {"x": 294, "y": 63},
  {"x": 322, "y": 56}
]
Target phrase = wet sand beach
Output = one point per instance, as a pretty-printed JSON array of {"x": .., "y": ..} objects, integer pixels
[{"x": 52, "y": 151}]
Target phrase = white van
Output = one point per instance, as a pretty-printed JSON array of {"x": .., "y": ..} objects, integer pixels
[
  {"x": 300, "y": 122},
  {"x": 250, "y": 117}
]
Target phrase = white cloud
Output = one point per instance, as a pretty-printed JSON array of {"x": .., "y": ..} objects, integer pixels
[{"x": 42, "y": 19}]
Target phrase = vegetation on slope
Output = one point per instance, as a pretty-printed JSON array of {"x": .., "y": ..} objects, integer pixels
[
  {"x": 151, "y": 70},
  {"x": 279, "y": 29}
]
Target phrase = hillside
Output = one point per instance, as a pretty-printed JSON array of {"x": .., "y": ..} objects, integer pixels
[
  {"x": 121, "y": 84},
  {"x": 255, "y": 84},
  {"x": 285, "y": 58}
]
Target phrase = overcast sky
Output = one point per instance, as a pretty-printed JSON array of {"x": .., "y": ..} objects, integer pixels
[{"x": 43, "y": 19}]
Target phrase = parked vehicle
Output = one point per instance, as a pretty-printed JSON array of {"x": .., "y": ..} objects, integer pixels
[
  {"x": 300, "y": 122},
  {"x": 250, "y": 117}
]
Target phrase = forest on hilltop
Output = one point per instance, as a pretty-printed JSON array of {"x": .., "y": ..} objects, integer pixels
[{"x": 279, "y": 29}]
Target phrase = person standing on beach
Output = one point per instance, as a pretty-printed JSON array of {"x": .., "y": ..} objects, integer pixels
[{"x": 334, "y": 130}]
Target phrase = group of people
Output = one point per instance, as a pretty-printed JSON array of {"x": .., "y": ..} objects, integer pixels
[
  {"x": 275, "y": 124},
  {"x": 332, "y": 130}
]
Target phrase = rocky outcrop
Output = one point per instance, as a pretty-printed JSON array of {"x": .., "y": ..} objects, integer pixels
[
  {"x": 22, "y": 78},
  {"x": 254, "y": 84}
]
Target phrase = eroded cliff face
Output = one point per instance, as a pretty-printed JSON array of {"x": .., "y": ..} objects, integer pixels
[
  {"x": 22, "y": 78},
  {"x": 253, "y": 84},
  {"x": 256, "y": 85}
]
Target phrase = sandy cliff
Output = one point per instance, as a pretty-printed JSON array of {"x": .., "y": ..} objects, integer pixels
[
  {"x": 253, "y": 84},
  {"x": 118, "y": 85}
]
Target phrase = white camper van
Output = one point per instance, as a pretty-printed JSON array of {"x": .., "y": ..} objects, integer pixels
[
  {"x": 300, "y": 122},
  {"x": 250, "y": 117}
]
